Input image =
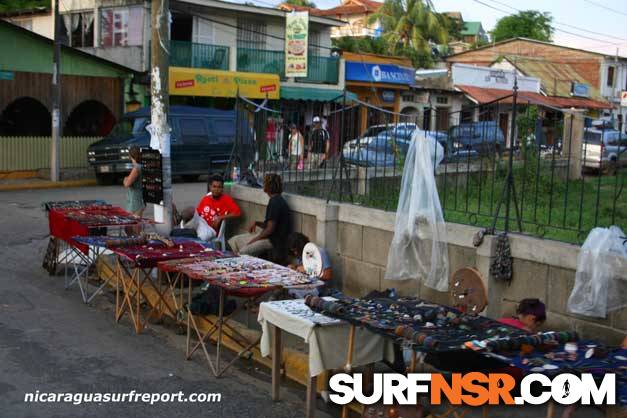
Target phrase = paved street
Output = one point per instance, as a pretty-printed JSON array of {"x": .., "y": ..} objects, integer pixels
[{"x": 51, "y": 342}]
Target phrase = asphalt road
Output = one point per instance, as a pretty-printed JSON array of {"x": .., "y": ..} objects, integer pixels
[{"x": 51, "y": 342}]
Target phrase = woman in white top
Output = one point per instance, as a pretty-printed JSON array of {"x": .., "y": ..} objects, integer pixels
[{"x": 297, "y": 148}]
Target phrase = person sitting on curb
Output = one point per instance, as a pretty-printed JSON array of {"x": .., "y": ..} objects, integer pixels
[{"x": 275, "y": 228}]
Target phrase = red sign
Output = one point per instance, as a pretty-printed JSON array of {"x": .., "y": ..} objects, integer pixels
[
  {"x": 265, "y": 89},
  {"x": 184, "y": 83}
]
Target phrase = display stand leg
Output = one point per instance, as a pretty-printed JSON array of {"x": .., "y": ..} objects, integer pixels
[
  {"x": 349, "y": 361},
  {"x": 550, "y": 410},
  {"x": 311, "y": 397}
]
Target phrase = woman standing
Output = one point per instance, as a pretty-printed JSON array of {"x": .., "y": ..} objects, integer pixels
[
  {"x": 297, "y": 148},
  {"x": 133, "y": 184}
]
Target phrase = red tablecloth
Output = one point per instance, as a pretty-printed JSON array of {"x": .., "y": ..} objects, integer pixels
[
  {"x": 67, "y": 223},
  {"x": 150, "y": 255}
]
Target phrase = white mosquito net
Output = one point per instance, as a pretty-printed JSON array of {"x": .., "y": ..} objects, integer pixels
[
  {"x": 419, "y": 250},
  {"x": 601, "y": 278}
]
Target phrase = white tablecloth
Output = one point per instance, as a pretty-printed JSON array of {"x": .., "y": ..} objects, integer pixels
[{"x": 327, "y": 337}]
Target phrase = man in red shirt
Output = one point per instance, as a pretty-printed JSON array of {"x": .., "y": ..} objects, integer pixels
[{"x": 216, "y": 206}]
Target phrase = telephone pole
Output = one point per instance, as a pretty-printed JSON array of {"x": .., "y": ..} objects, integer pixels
[
  {"x": 56, "y": 97},
  {"x": 160, "y": 103}
]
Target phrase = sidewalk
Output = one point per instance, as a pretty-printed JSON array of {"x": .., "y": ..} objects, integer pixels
[{"x": 37, "y": 183}]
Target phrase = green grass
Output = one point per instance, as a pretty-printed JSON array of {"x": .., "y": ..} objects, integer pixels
[{"x": 551, "y": 207}]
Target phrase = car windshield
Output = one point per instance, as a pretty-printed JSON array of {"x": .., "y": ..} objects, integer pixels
[
  {"x": 129, "y": 127},
  {"x": 374, "y": 130}
]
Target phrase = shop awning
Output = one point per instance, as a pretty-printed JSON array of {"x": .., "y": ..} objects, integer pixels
[
  {"x": 482, "y": 95},
  {"x": 217, "y": 83},
  {"x": 315, "y": 94}
]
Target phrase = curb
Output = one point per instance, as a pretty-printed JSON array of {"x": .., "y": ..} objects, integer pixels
[{"x": 48, "y": 185}]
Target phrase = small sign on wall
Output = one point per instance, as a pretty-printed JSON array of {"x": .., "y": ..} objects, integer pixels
[
  {"x": 623, "y": 98},
  {"x": 7, "y": 75}
]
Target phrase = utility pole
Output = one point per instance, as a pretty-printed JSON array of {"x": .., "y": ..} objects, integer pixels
[
  {"x": 160, "y": 103},
  {"x": 56, "y": 97}
]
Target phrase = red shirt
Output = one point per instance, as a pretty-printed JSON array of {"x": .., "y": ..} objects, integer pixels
[
  {"x": 209, "y": 207},
  {"x": 513, "y": 322}
]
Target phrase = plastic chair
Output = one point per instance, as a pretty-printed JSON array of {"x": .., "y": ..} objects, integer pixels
[{"x": 219, "y": 239}]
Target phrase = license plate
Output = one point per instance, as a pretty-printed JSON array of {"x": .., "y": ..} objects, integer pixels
[{"x": 105, "y": 169}]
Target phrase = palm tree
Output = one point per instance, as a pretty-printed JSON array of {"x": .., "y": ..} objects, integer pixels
[{"x": 409, "y": 27}]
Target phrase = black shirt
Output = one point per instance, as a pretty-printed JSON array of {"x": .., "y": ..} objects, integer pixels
[
  {"x": 318, "y": 139},
  {"x": 279, "y": 212}
]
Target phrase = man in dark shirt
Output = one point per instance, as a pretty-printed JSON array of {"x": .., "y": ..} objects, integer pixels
[
  {"x": 318, "y": 144},
  {"x": 271, "y": 234}
]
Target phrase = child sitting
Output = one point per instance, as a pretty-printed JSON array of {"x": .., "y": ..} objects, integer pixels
[
  {"x": 296, "y": 243},
  {"x": 530, "y": 314}
]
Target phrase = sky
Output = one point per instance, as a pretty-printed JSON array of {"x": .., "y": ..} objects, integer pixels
[{"x": 604, "y": 20}]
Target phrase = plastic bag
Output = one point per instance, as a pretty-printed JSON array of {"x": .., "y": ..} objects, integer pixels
[
  {"x": 419, "y": 248},
  {"x": 601, "y": 278}
]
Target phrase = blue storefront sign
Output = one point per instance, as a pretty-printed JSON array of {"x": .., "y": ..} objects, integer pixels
[{"x": 379, "y": 73}]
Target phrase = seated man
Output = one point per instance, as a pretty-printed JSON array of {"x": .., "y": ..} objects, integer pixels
[
  {"x": 212, "y": 209},
  {"x": 276, "y": 226}
]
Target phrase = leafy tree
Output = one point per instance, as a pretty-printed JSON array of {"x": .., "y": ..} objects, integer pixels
[
  {"x": 359, "y": 45},
  {"x": 530, "y": 24},
  {"x": 13, "y": 5},
  {"x": 301, "y": 3},
  {"x": 410, "y": 27},
  {"x": 453, "y": 27}
]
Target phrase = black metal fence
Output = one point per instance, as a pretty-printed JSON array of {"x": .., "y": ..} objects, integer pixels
[{"x": 508, "y": 164}]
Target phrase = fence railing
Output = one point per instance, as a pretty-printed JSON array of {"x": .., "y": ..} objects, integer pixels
[
  {"x": 33, "y": 153},
  {"x": 196, "y": 55},
  {"x": 565, "y": 180}
]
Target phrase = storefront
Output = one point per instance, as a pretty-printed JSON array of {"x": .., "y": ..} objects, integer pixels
[
  {"x": 226, "y": 84},
  {"x": 379, "y": 81}
]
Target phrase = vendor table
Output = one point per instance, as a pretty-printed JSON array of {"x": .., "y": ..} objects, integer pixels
[
  {"x": 246, "y": 277},
  {"x": 70, "y": 221},
  {"x": 322, "y": 334},
  {"x": 138, "y": 263}
]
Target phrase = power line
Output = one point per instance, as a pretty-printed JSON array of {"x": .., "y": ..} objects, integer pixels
[
  {"x": 605, "y": 7},
  {"x": 563, "y": 24},
  {"x": 556, "y": 29}
]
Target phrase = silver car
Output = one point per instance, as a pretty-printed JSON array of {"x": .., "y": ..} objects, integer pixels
[{"x": 603, "y": 149}]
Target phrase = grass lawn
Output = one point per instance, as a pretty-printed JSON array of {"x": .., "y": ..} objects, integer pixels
[{"x": 551, "y": 207}]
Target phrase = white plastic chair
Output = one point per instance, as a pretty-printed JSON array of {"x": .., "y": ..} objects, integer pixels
[{"x": 219, "y": 239}]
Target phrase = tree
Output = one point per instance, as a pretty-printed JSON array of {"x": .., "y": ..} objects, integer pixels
[
  {"x": 410, "y": 27},
  {"x": 359, "y": 45},
  {"x": 13, "y": 5},
  {"x": 301, "y": 3},
  {"x": 530, "y": 24}
]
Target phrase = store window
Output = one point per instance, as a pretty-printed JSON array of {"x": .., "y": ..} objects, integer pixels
[
  {"x": 122, "y": 26},
  {"x": 610, "y": 76},
  {"x": 79, "y": 28}
]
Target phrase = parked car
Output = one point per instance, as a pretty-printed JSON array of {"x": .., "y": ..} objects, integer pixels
[
  {"x": 387, "y": 148},
  {"x": 604, "y": 148},
  {"x": 373, "y": 131},
  {"x": 475, "y": 139},
  {"x": 201, "y": 140}
]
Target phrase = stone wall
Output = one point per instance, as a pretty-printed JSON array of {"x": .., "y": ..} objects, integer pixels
[{"x": 358, "y": 240}]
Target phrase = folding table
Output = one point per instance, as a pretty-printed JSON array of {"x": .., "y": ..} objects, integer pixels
[
  {"x": 322, "y": 334},
  {"x": 246, "y": 277},
  {"x": 138, "y": 263},
  {"x": 69, "y": 224}
]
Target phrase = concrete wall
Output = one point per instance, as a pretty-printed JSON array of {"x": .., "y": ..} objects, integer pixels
[{"x": 358, "y": 241}]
